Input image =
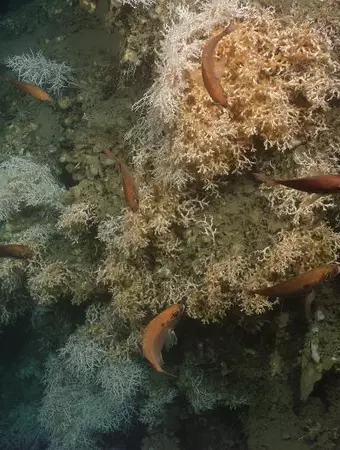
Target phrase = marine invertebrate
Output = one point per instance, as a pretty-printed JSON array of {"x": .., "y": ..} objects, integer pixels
[
  {"x": 24, "y": 183},
  {"x": 77, "y": 220},
  {"x": 14, "y": 299},
  {"x": 159, "y": 394},
  {"x": 79, "y": 405},
  {"x": 49, "y": 280},
  {"x": 41, "y": 71},
  {"x": 277, "y": 75}
]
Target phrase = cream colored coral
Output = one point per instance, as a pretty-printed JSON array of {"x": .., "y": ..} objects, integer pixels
[
  {"x": 210, "y": 251},
  {"x": 76, "y": 220},
  {"x": 276, "y": 75}
]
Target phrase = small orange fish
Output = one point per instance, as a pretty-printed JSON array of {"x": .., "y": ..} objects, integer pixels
[
  {"x": 129, "y": 186},
  {"x": 160, "y": 332},
  {"x": 322, "y": 184},
  {"x": 32, "y": 89},
  {"x": 301, "y": 284},
  {"x": 15, "y": 251},
  {"x": 210, "y": 80}
]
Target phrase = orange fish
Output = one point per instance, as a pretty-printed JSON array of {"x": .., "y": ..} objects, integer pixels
[
  {"x": 32, "y": 89},
  {"x": 129, "y": 186},
  {"x": 322, "y": 184},
  {"x": 301, "y": 284},
  {"x": 210, "y": 80},
  {"x": 15, "y": 251},
  {"x": 160, "y": 332}
]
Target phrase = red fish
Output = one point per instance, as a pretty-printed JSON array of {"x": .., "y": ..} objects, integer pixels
[
  {"x": 321, "y": 184},
  {"x": 160, "y": 332},
  {"x": 15, "y": 251},
  {"x": 210, "y": 80},
  {"x": 129, "y": 186},
  {"x": 32, "y": 89},
  {"x": 301, "y": 284}
]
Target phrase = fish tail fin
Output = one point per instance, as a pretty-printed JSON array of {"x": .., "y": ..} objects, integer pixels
[
  {"x": 264, "y": 178},
  {"x": 169, "y": 374},
  {"x": 160, "y": 370}
]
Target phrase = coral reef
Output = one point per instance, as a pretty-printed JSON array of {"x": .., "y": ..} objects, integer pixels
[
  {"x": 271, "y": 90},
  {"x": 205, "y": 234}
]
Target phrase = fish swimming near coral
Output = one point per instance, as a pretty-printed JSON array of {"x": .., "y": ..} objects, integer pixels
[
  {"x": 129, "y": 185},
  {"x": 210, "y": 79},
  {"x": 301, "y": 284},
  {"x": 160, "y": 332},
  {"x": 321, "y": 184},
  {"x": 17, "y": 251},
  {"x": 31, "y": 89}
]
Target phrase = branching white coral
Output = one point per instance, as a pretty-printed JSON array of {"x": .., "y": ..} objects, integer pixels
[
  {"x": 135, "y": 3},
  {"x": 76, "y": 220},
  {"x": 179, "y": 48},
  {"x": 45, "y": 73},
  {"x": 24, "y": 183}
]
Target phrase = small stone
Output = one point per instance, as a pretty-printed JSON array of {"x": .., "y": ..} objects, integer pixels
[
  {"x": 94, "y": 171},
  {"x": 67, "y": 122}
]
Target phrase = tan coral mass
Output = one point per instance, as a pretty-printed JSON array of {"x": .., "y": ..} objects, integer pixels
[{"x": 156, "y": 333}]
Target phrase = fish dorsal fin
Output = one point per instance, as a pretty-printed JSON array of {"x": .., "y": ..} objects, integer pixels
[{"x": 170, "y": 339}]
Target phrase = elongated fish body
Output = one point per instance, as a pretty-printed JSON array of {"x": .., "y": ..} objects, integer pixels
[
  {"x": 158, "y": 332},
  {"x": 15, "y": 251},
  {"x": 31, "y": 89},
  {"x": 322, "y": 184},
  {"x": 300, "y": 284},
  {"x": 210, "y": 80},
  {"x": 130, "y": 188}
]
